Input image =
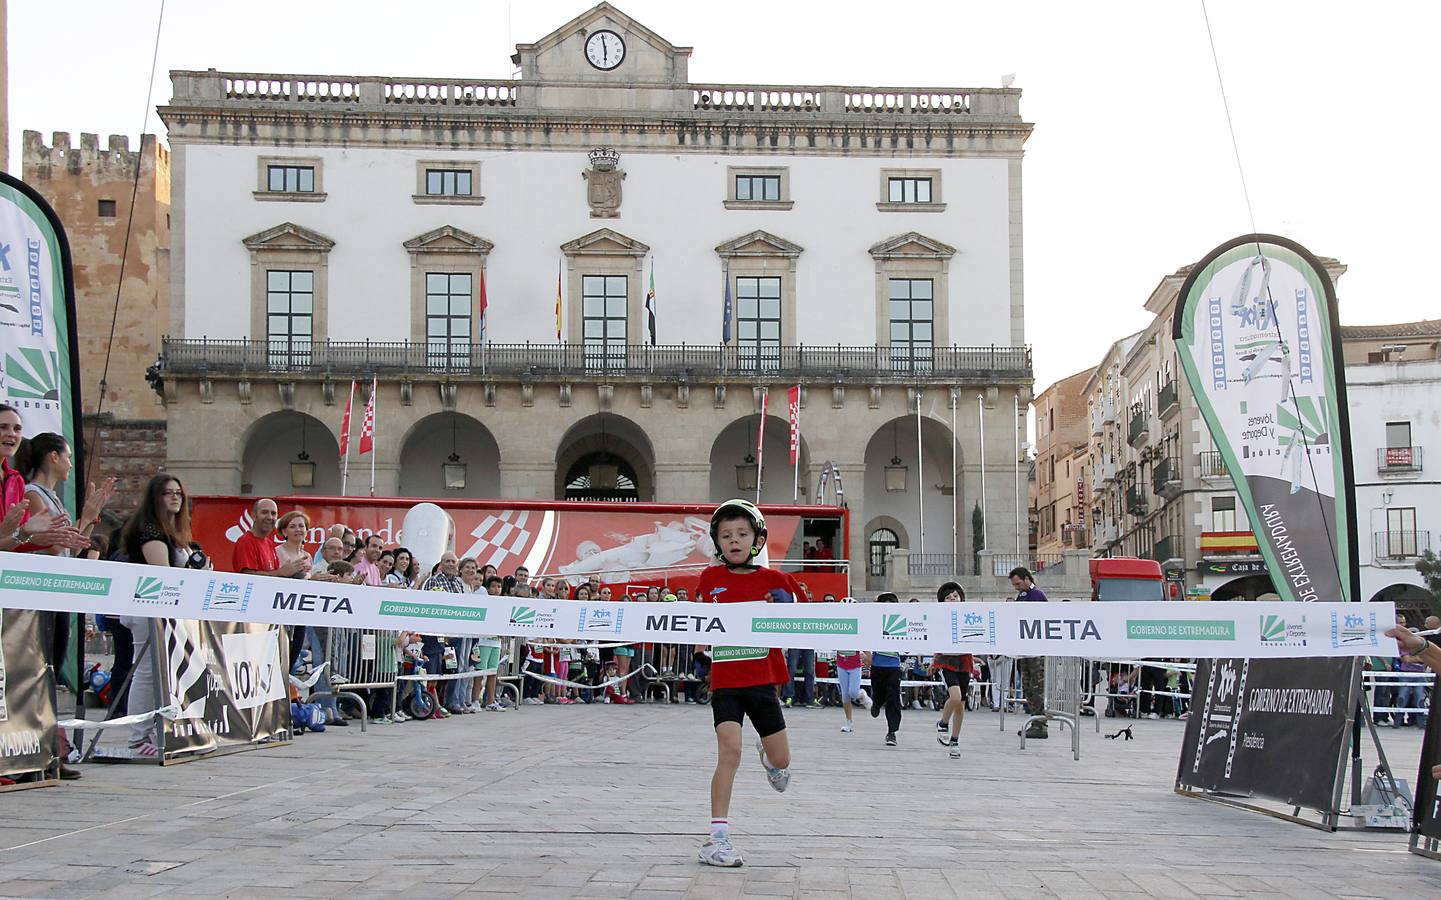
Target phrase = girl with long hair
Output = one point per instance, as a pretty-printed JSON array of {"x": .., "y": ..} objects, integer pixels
[{"x": 157, "y": 534}]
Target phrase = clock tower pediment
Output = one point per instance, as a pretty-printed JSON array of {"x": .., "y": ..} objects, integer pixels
[{"x": 605, "y": 46}]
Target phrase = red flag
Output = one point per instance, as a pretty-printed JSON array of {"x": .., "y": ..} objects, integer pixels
[
  {"x": 345, "y": 423},
  {"x": 794, "y": 396},
  {"x": 367, "y": 428},
  {"x": 483, "y": 305}
]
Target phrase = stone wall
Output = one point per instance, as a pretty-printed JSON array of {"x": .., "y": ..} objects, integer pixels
[
  {"x": 90, "y": 189},
  {"x": 132, "y": 450}
]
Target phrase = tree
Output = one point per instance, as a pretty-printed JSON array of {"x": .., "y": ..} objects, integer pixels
[
  {"x": 1429, "y": 565},
  {"x": 978, "y": 536}
]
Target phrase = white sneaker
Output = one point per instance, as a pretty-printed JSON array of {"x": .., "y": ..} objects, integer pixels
[
  {"x": 847, "y": 728},
  {"x": 1152, "y": 716},
  {"x": 399, "y": 717},
  {"x": 720, "y": 853},
  {"x": 495, "y": 706},
  {"x": 779, "y": 779},
  {"x": 955, "y": 752},
  {"x": 865, "y": 700}
]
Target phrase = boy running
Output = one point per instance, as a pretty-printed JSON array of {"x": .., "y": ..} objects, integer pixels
[
  {"x": 744, "y": 680},
  {"x": 955, "y": 669}
]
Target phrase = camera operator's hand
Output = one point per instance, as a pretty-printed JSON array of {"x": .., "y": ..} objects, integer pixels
[{"x": 1409, "y": 640}]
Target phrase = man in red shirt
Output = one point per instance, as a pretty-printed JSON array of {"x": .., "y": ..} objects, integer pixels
[
  {"x": 744, "y": 680},
  {"x": 255, "y": 555}
]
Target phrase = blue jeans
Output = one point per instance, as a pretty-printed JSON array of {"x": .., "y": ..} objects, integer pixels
[
  {"x": 457, "y": 691},
  {"x": 1408, "y": 695},
  {"x": 807, "y": 661},
  {"x": 315, "y": 643}
]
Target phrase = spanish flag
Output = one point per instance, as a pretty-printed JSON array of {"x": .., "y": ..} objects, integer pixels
[{"x": 557, "y": 302}]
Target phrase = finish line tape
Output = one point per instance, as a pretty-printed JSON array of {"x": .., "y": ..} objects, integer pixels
[{"x": 1091, "y": 629}]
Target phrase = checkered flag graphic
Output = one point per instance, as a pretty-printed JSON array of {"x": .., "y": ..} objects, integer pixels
[{"x": 500, "y": 536}]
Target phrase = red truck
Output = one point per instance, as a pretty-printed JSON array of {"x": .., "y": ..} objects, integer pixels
[{"x": 1127, "y": 578}]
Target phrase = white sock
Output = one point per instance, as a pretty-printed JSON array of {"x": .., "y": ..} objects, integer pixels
[{"x": 720, "y": 829}]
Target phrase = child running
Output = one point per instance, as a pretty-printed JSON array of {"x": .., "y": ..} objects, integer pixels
[
  {"x": 744, "y": 680},
  {"x": 886, "y": 682},
  {"x": 955, "y": 669}
]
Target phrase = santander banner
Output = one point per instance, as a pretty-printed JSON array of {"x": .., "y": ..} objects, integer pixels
[{"x": 622, "y": 544}]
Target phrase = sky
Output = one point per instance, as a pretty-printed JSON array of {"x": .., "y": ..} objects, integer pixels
[{"x": 1129, "y": 175}]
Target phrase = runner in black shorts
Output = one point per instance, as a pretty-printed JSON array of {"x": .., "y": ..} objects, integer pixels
[
  {"x": 757, "y": 703},
  {"x": 955, "y": 669}
]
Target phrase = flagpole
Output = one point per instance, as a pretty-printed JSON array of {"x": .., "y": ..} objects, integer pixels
[
  {"x": 374, "y": 388},
  {"x": 920, "y": 474},
  {"x": 345, "y": 438},
  {"x": 761, "y": 444},
  {"x": 955, "y": 494},
  {"x": 985, "y": 519},
  {"x": 1016, "y": 426}
]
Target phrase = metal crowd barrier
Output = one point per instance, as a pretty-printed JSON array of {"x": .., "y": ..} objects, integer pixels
[{"x": 360, "y": 659}]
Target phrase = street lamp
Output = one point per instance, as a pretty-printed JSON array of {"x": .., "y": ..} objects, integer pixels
[
  {"x": 453, "y": 469},
  {"x": 895, "y": 472},
  {"x": 302, "y": 469},
  {"x": 746, "y": 474}
]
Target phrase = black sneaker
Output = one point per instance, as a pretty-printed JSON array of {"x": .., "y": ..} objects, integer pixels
[
  {"x": 942, "y": 727},
  {"x": 891, "y": 739},
  {"x": 1036, "y": 734},
  {"x": 876, "y": 709}
]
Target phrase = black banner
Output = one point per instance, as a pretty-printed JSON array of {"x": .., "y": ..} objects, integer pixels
[
  {"x": 1274, "y": 728},
  {"x": 27, "y": 696},
  {"x": 230, "y": 681},
  {"x": 1426, "y": 815}
]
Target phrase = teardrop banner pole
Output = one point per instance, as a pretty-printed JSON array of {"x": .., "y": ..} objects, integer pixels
[{"x": 1258, "y": 336}]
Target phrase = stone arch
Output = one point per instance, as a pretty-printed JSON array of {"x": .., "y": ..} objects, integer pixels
[
  {"x": 737, "y": 440},
  {"x": 607, "y": 436},
  {"x": 1249, "y": 587},
  {"x": 427, "y": 446},
  {"x": 274, "y": 441},
  {"x": 1411, "y": 599},
  {"x": 875, "y": 577},
  {"x": 932, "y": 475}
]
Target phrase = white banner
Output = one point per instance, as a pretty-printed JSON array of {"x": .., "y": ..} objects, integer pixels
[{"x": 1081, "y": 628}]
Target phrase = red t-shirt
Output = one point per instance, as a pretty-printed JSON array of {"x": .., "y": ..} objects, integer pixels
[
  {"x": 736, "y": 667},
  {"x": 254, "y": 553}
]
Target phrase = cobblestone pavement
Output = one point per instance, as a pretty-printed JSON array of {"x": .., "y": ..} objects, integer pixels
[{"x": 611, "y": 802}]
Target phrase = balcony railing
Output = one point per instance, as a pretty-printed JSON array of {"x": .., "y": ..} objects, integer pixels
[
  {"x": 938, "y": 565},
  {"x": 1136, "y": 503},
  {"x": 1167, "y": 401},
  {"x": 1075, "y": 536},
  {"x": 1401, "y": 545},
  {"x": 1168, "y": 549},
  {"x": 1213, "y": 465},
  {"x": 1003, "y": 563},
  {"x": 1166, "y": 476},
  {"x": 1139, "y": 429},
  {"x": 191, "y": 88},
  {"x": 559, "y": 361},
  {"x": 1398, "y": 459}
]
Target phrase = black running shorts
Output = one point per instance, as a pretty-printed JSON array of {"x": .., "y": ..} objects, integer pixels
[
  {"x": 759, "y": 703},
  {"x": 953, "y": 678}
]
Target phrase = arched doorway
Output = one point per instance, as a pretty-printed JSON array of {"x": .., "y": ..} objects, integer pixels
[
  {"x": 883, "y": 536},
  {"x": 601, "y": 475},
  {"x": 734, "y": 466},
  {"x": 1412, "y": 600},
  {"x": 898, "y": 483},
  {"x": 449, "y": 454},
  {"x": 1252, "y": 587},
  {"x": 605, "y": 457},
  {"x": 289, "y": 452}
]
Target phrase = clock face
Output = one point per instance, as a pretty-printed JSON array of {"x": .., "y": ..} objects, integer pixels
[{"x": 605, "y": 50}]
